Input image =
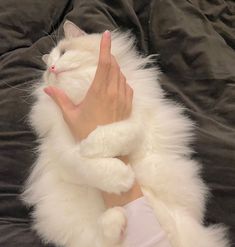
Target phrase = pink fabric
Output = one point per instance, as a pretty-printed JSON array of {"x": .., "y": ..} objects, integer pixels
[{"x": 143, "y": 229}]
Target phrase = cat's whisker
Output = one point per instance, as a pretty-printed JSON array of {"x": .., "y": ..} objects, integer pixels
[
  {"x": 24, "y": 119},
  {"x": 55, "y": 32},
  {"x": 29, "y": 89}
]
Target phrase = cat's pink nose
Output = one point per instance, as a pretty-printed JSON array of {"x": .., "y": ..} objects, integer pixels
[{"x": 52, "y": 69}]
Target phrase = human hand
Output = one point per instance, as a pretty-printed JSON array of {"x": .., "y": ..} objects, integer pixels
[{"x": 108, "y": 100}]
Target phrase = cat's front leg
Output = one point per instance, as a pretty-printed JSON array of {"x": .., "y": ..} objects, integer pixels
[
  {"x": 107, "y": 174},
  {"x": 117, "y": 139}
]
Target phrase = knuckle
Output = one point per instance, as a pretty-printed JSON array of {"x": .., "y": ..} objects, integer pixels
[
  {"x": 114, "y": 63},
  {"x": 130, "y": 91},
  {"x": 129, "y": 88},
  {"x": 123, "y": 78},
  {"x": 112, "y": 94},
  {"x": 95, "y": 91}
]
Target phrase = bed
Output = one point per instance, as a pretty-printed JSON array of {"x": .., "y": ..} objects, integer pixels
[{"x": 196, "y": 43}]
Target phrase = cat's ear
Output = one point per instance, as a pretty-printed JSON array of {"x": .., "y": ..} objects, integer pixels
[
  {"x": 45, "y": 58},
  {"x": 71, "y": 30}
]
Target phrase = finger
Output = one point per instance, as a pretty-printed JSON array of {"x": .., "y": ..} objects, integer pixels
[
  {"x": 122, "y": 91},
  {"x": 104, "y": 58},
  {"x": 114, "y": 75},
  {"x": 129, "y": 99},
  {"x": 60, "y": 98},
  {"x": 122, "y": 85}
]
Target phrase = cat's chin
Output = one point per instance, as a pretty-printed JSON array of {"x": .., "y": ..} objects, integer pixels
[{"x": 59, "y": 72}]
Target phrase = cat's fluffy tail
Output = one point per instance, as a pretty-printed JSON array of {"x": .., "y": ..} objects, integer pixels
[{"x": 190, "y": 233}]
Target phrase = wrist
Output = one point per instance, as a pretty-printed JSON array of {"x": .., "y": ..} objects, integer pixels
[
  {"x": 81, "y": 134},
  {"x": 113, "y": 200}
]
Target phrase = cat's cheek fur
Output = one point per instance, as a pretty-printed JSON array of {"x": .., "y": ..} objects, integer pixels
[{"x": 44, "y": 114}]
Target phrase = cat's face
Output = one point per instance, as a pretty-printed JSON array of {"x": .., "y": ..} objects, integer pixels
[{"x": 71, "y": 65}]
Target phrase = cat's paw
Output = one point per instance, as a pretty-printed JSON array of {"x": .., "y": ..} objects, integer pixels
[
  {"x": 117, "y": 139},
  {"x": 93, "y": 146},
  {"x": 113, "y": 224},
  {"x": 120, "y": 181},
  {"x": 99, "y": 144}
]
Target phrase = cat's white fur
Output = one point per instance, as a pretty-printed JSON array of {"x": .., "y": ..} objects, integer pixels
[{"x": 65, "y": 182}]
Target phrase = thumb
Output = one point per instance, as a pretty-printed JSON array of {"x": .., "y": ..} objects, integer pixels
[{"x": 60, "y": 98}]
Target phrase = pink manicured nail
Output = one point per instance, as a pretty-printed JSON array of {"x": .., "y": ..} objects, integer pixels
[{"x": 107, "y": 34}]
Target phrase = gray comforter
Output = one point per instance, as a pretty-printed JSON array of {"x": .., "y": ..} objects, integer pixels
[{"x": 196, "y": 43}]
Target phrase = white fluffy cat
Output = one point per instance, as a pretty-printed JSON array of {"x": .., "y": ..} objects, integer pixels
[{"x": 65, "y": 183}]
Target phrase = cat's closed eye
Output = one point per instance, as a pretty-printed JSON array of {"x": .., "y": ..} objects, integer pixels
[{"x": 62, "y": 52}]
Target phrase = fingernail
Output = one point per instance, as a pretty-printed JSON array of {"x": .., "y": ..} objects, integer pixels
[
  {"x": 48, "y": 91},
  {"x": 107, "y": 34}
]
